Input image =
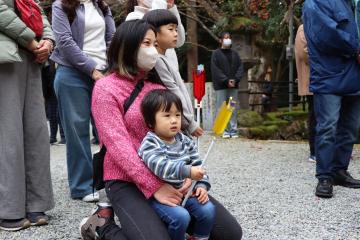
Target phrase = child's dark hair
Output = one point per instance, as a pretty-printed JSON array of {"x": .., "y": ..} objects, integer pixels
[
  {"x": 157, "y": 100},
  {"x": 160, "y": 17}
]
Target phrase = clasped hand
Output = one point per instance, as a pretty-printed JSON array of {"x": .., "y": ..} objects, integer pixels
[{"x": 41, "y": 49}]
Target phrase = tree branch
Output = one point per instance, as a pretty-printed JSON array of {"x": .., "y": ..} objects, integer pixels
[
  {"x": 202, "y": 25},
  {"x": 200, "y": 45}
]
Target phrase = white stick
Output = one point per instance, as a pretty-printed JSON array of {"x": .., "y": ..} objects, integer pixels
[
  {"x": 198, "y": 104},
  {"x": 194, "y": 182}
]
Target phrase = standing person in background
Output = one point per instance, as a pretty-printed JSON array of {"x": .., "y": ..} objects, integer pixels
[
  {"x": 226, "y": 72},
  {"x": 144, "y": 6},
  {"x": 83, "y": 29},
  {"x": 51, "y": 104},
  {"x": 25, "y": 182},
  {"x": 332, "y": 36},
  {"x": 303, "y": 73}
]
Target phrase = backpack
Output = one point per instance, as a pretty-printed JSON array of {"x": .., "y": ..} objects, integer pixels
[
  {"x": 98, "y": 158},
  {"x": 30, "y": 14}
]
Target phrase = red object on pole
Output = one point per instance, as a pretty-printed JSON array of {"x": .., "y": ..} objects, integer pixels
[{"x": 199, "y": 84}]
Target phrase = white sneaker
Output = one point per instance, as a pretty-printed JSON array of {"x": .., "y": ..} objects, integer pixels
[
  {"x": 92, "y": 197},
  {"x": 312, "y": 159},
  {"x": 226, "y": 135}
]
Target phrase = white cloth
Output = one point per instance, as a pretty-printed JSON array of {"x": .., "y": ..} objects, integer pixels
[
  {"x": 94, "y": 36},
  {"x": 139, "y": 13}
]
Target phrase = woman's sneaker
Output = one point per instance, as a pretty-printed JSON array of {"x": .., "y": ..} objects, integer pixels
[
  {"x": 92, "y": 197},
  {"x": 102, "y": 214},
  {"x": 14, "y": 225},
  {"x": 37, "y": 218}
]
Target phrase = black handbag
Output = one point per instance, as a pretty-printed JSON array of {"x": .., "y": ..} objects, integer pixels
[{"x": 98, "y": 158}]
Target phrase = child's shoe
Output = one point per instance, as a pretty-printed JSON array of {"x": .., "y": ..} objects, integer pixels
[{"x": 92, "y": 197}]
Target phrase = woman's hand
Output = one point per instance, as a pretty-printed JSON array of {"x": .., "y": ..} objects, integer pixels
[
  {"x": 168, "y": 195},
  {"x": 202, "y": 195},
  {"x": 198, "y": 132},
  {"x": 96, "y": 75},
  {"x": 32, "y": 46},
  {"x": 43, "y": 50},
  {"x": 185, "y": 187}
]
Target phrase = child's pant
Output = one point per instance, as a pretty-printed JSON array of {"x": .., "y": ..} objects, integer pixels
[{"x": 178, "y": 218}]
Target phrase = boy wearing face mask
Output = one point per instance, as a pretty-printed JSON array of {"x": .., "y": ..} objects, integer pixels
[
  {"x": 165, "y": 24},
  {"x": 226, "y": 72}
]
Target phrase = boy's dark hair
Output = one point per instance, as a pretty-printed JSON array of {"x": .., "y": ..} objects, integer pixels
[
  {"x": 160, "y": 17},
  {"x": 156, "y": 100},
  {"x": 124, "y": 47}
]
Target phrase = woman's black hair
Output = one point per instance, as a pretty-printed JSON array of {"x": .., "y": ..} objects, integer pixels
[
  {"x": 130, "y": 6},
  {"x": 69, "y": 7},
  {"x": 124, "y": 48},
  {"x": 160, "y": 17},
  {"x": 222, "y": 35},
  {"x": 158, "y": 100}
]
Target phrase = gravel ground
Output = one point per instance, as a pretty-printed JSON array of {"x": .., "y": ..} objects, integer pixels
[{"x": 267, "y": 185}]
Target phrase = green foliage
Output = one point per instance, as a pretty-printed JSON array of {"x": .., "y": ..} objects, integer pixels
[{"x": 248, "y": 118}]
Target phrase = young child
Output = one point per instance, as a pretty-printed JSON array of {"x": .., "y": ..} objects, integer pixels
[
  {"x": 165, "y": 24},
  {"x": 173, "y": 157}
]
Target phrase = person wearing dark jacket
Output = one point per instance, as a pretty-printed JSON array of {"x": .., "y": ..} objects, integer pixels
[
  {"x": 333, "y": 41},
  {"x": 226, "y": 71}
]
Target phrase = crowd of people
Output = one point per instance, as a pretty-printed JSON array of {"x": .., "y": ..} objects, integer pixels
[
  {"x": 126, "y": 82},
  {"x": 92, "y": 71}
]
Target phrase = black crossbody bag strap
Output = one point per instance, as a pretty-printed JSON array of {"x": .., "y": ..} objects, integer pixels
[{"x": 98, "y": 158}]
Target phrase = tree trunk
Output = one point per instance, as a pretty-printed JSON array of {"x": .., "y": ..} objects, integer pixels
[{"x": 192, "y": 53}]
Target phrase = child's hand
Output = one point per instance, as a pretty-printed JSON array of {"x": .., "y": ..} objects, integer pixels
[
  {"x": 197, "y": 173},
  {"x": 170, "y": 3},
  {"x": 202, "y": 195}
]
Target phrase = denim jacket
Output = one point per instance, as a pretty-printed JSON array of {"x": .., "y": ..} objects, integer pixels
[
  {"x": 332, "y": 34},
  {"x": 70, "y": 38}
]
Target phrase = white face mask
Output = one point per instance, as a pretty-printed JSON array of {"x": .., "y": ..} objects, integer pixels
[
  {"x": 147, "y": 57},
  {"x": 147, "y": 3},
  {"x": 227, "y": 42}
]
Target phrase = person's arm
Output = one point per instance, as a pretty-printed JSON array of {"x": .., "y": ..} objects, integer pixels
[
  {"x": 181, "y": 30},
  {"x": 156, "y": 159},
  {"x": 66, "y": 44},
  {"x": 322, "y": 24},
  {"x": 240, "y": 68},
  {"x": 170, "y": 83},
  {"x": 12, "y": 26},
  {"x": 110, "y": 26},
  {"x": 114, "y": 135},
  {"x": 217, "y": 72}
]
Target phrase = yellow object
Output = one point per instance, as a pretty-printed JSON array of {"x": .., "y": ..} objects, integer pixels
[{"x": 223, "y": 117}]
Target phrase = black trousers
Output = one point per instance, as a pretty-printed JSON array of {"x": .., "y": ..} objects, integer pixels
[
  {"x": 311, "y": 124},
  {"x": 140, "y": 222},
  {"x": 51, "y": 105}
]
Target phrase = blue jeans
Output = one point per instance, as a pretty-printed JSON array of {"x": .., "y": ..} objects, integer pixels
[
  {"x": 178, "y": 218},
  {"x": 222, "y": 96},
  {"x": 73, "y": 90},
  {"x": 338, "y": 122}
]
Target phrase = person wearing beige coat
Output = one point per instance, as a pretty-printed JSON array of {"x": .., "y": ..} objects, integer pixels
[{"x": 303, "y": 72}]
